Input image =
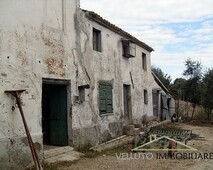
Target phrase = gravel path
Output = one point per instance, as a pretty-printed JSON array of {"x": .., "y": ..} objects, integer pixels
[{"x": 110, "y": 162}]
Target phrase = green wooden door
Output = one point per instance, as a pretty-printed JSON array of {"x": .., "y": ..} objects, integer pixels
[{"x": 58, "y": 115}]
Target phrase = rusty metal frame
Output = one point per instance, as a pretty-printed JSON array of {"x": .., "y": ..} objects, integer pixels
[
  {"x": 180, "y": 134},
  {"x": 17, "y": 94},
  {"x": 142, "y": 147}
]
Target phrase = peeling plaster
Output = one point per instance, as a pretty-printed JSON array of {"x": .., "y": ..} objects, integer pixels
[
  {"x": 31, "y": 49},
  {"x": 104, "y": 66}
]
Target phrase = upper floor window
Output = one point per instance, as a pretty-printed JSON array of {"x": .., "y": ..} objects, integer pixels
[
  {"x": 144, "y": 64},
  {"x": 96, "y": 40},
  {"x": 129, "y": 48}
]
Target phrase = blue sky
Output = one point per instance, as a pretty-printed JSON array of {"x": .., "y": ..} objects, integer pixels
[{"x": 177, "y": 30}]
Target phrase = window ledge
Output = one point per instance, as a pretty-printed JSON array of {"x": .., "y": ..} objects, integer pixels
[
  {"x": 97, "y": 51},
  {"x": 106, "y": 114}
]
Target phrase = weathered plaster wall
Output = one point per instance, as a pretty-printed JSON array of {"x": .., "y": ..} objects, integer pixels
[
  {"x": 52, "y": 39},
  {"x": 108, "y": 65},
  {"x": 37, "y": 41},
  {"x": 161, "y": 91}
]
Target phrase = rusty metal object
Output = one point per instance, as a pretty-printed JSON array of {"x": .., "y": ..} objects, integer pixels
[
  {"x": 17, "y": 94},
  {"x": 176, "y": 133},
  {"x": 165, "y": 128},
  {"x": 173, "y": 147}
]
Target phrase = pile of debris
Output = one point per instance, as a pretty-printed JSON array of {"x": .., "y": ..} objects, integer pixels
[
  {"x": 143, "y": 134},
  {"x": 139, "y": 134}
]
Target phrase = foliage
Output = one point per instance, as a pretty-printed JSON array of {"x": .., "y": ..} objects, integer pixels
[
  {"x": 193, "y": 72},
  {"x": 200, "y": 115},
  {"x": 193, "y": 69},
  {"x": 207, "y": 86},
  {"x": 177, "y": 88},
  {"x": 195, "y": 88},
  {"x": 145, "y": 119}
]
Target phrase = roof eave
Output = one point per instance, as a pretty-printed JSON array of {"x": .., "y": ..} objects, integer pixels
[{"x": 98, "y": 19}]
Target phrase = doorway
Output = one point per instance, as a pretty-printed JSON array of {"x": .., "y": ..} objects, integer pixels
[
  {"x": 127, "y": 104},
  {"x": 155, "y": 101},
  {"x": 54, "y": 114}
]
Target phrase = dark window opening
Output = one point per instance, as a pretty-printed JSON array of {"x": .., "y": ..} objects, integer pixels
[
  {"x": 145, "y": 97},
  {"x": 144, "y": 64},
  {"x": 96, "y": 40},
  {"x": 81, "y": 91}
]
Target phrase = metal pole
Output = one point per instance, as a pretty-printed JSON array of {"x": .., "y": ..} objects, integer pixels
[{"x": 17, "y": 94}]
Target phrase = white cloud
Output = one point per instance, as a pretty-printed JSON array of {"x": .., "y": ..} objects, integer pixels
[{"x": 151, "y": 10}]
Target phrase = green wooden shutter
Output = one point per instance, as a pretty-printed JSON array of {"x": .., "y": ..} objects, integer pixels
[
  {"x": 102, "y": 98},
  {"x": 105, "y": 98},
  {"x": 109, "y": 98}
]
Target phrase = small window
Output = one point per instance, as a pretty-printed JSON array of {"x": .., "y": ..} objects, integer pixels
[
  {"x": 105, "y": 98},
  {"x": 129, "y": 49},
  {"x": 144, "y": 65},
  {"x": 145, "y": 97},
  {"x": 96, "y": 40},
  {"x": 81, "y": 91}
]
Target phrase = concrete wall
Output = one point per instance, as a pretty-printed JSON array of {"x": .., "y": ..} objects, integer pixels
[
  {"x": 108, "y": 65},
  {"x": 37, "y": 41}
]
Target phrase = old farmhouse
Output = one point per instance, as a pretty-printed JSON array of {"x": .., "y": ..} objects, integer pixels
[{"x": 84, "y": 78}]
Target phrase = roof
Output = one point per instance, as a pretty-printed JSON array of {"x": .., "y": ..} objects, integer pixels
[
  {"x": 98, "y": 19},
  {"x": 160, "y": 83}
]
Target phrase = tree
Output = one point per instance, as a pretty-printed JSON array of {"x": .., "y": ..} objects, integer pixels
[
  {"x": 207, "y": 86},
  {"x": 193, "y": 69},
  {"x": 178, "y": 92},
  {"x": 193, "y": 72},
  {"x": 178, "y": 88},
  {"x": 164, "y": 78}
]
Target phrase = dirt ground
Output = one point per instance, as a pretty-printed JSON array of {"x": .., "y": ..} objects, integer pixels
[{"x": 109, "y": 161}]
